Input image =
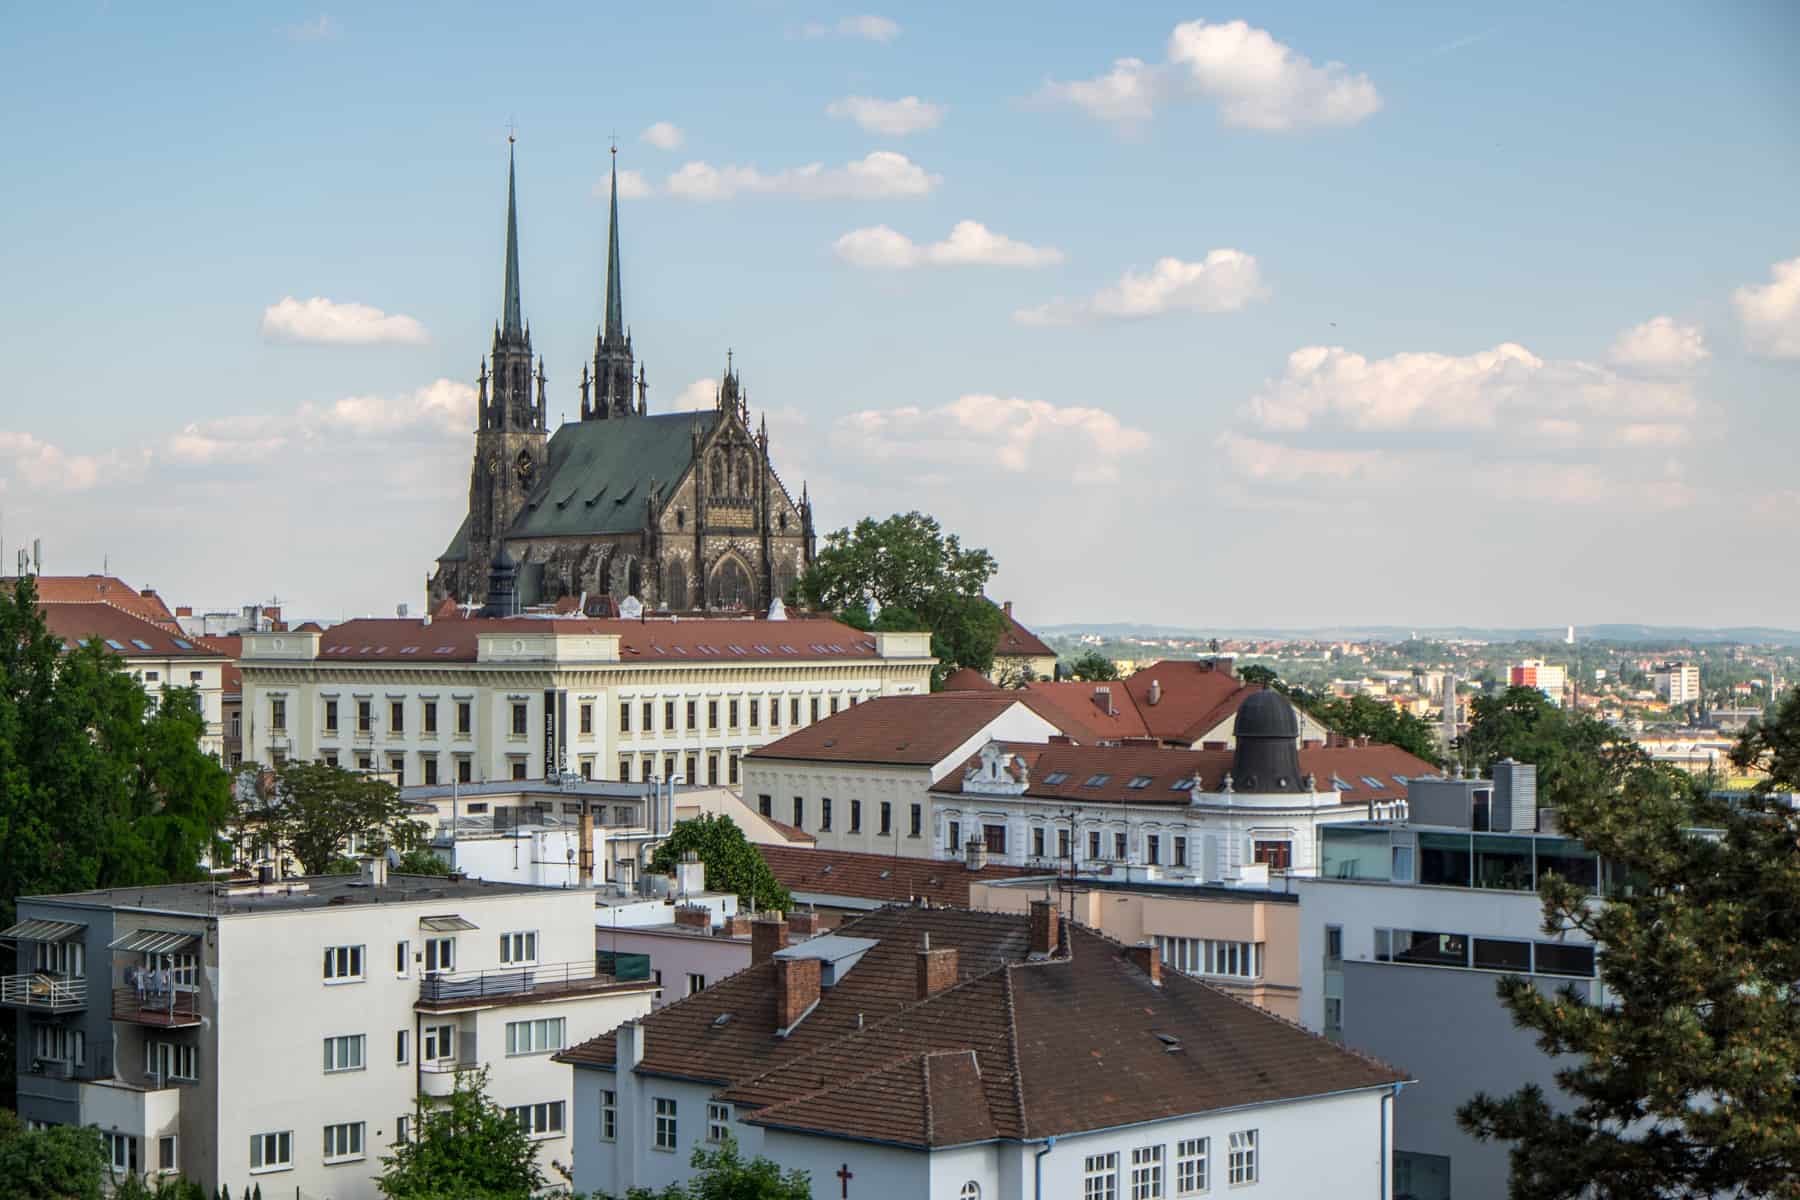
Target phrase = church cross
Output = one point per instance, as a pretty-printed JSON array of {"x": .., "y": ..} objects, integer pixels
[{"x": 845, "y": 1175}]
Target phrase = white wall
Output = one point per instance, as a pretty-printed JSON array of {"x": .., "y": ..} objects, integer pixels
[{"x": 677, "y": 954}]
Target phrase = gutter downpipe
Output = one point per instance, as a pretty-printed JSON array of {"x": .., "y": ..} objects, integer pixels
[
  {"x": 1037, "y": 1167},
  {"x": 1392, "y": 1094}
]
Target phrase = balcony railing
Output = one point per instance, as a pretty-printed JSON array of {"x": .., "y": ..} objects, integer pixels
[
  {"x": 48, "y": 993},
  {"x": 169, "y": 1010},
  {"x": 510, "y": 983}
]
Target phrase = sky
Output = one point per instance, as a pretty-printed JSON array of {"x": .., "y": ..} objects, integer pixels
[{"x": 1284, "y": 315}]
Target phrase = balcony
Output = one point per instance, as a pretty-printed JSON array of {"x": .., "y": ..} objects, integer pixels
[
  {"x": 449, "y": 991},
  {"x": 437, "y": 1077},
  {"x": 43, "y": 993},
  {"x": 177, "y": 1009}
]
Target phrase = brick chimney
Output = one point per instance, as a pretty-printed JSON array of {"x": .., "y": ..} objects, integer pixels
[
  {"x": 1046, "y": 923},
  {"x": 768, "y": 933},
  {"x": 1148, "y": 959},
  {"x": 802, "y": 925},
  {"x": 796, "y": 991},
  {"x": 736, "y": 925},
  {"x": 1006, "y": 607},
  {"x": 693, "y": 916},
  {"x": 937, "y": 969}
]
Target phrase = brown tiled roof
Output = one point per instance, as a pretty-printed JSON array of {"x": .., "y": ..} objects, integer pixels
[
  {"x": 887, "y": 878},
  {"x": 102, "y": 589},
  {"x": 792, "y": 833},
  {"x": 1081, "y": 710},
  {"x": 906, "y": 730},
  {"x": 968, "y": 679},
  {"x": 232, "y": 646},
  {"x": 705, "y": 640},
  {"x": 1194, "y": 697},
  {"x": 1016, "y": 1049},
  {"x": 122, "y": 632},
  {"x": 1061, "y": 772},
  {"x": 1016, "y": 641}
]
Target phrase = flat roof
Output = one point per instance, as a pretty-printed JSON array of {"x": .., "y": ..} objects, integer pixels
[{"x": 289, "y": 895}]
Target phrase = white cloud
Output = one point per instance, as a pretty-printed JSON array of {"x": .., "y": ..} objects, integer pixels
[
  {"x": 1259, "y": 83},
  {"x": 1126, "y": 94},
  {"x": 45, "y": 467},
  {"x": 1771, "y": 314},
  {"x": 443, "y": 408},
  {"x": 896, "y": 118},
  {"x": 664, "y": 136},
  {"x": 702, "y": 395},
  {"x": 1506, "y": 388},
  {"x": 1262, "y": 460},
  {"x": 970, "y": 244},
  {"x": 1661, "y": 343},
  {"x": 1224, "y": 281},
  {"x": 1083, "y": 445},
  {"x": 633, "y": 186},
  {"x": 883, "y": 173},
  {"x": 1255, "y": 81},
  {"x": 868, "y": 28},
  {"x": 322, "y": 322}
]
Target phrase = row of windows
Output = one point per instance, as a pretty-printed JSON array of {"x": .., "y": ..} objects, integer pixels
[
  {"x": 346, "y": 1052},
  {"x": 1430, "y": 948},
  {"x": 1209, "y": 956},
  {"x": 1193, "y": 1169},
  {"x": 344, "y": 964},
  {"x": 666, "y": 1117},
  {"x": 122, "y": 1153}
]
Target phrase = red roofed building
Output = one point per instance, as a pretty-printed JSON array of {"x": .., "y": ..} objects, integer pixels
[
  {"x": 1020, "y": 653},
  {"x": 953, "y": 1055},
  {"x": 102, "y": 589},
  {"x": 481, "y": 700},
  {"x": 1178, "y": 702}
]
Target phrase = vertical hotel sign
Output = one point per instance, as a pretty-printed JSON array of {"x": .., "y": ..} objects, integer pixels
[{"x": 555, "y": 713}]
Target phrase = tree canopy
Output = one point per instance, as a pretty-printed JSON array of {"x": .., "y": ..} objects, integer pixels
[
  {"x": 1682, "y": 1083},
  {"x": 732, "y": 863},
  {"x": 1576, "y": 755},
  {"x": 462, "y": 1147},
  {"x": 910, "y": 575},
  {"x": 1093, "y": 666},
  {"x": 312, "y": 810},
  {"x": 65, "y": 1162},
  {"x": 1356, "y": 716}
]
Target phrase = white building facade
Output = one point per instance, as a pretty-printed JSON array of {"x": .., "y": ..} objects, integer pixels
[
  {"x": 524, "y": 698},
  {"x": 297, "y": 1023}
]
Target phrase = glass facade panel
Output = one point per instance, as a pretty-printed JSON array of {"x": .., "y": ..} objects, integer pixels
[
  {"x": 1498, "y": 954},
  {"x": 1561, "y": 958},
  {"x": 1444, "y": 859},
  {"x": 1503, "y": 863},
  {"x": 1570, "y": 859},
  {"x": 1354, "y": 853},
  {"x": 1435, "y": 949}
]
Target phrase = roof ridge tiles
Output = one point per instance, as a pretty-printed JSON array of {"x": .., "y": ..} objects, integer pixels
[
  {"x": 838, "y": 1084},
  {"x": 1012, "y": 1048}
]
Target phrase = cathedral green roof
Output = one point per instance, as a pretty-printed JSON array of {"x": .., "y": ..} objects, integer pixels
[{"x": 598, "y": 480}]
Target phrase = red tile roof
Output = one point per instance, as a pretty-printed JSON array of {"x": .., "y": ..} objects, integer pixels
[
  {"x": 1089, "y": 712},
  {"x": 905, "y": 730},
  {"x": 1191, "y": 699},
  {"x": 968, "y": 679},
  {"x": 122, "y": 632},
  {"x": 232, "y": 646},
  {"x": 1016, "y": 641},
  {"x": 887, "y": 878},
  {"x": 102, "y": 589},
  {"x": 705, "y": 640},
  {"x": 1166, "y": 776},
  {"x": 1016, "y": 1049}
]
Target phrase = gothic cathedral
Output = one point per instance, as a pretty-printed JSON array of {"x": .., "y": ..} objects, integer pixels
[{"x": 682, "y": 511}]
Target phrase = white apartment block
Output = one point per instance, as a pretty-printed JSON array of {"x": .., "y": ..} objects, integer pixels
[
  {"x": 287, "y": 1029},
  {"x": 1677, "y": 682},
  {"x": 522, "y": 698}
]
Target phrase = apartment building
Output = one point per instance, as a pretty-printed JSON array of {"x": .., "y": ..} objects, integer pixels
[
  {"x": 1403, "y": 935},
  {"x": 859, "y": 780},
  {"x": 1548, "y": 678},
  {"x": 278, "y": 1035},
  {"x": 523, "y": 698},
  {"x": 1677, "y": 682},
  {"x": 957, "y": 1055}
]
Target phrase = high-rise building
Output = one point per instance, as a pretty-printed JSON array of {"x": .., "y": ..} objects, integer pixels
[
  {"x": 1677, "y": 682},
  {"x": 1548, "y": 678}
]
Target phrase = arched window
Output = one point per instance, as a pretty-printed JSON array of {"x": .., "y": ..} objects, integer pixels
[
  {"x": 971, "y": 1191},
  {"x": 675, "y": 586},
  {"x": 730, "y": 587}
]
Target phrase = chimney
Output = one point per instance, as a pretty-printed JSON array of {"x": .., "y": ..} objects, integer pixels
[
  {"x": 693, "y": 916},
  {"x": 1155, "y": 696},
  {"x": 802, "y": 925},
  {"x": 1006, "y": 607},
  {"x": 584, "y": 853},
  {"x": 1148, "y": 959},
  {"x": 1103, "y": 701},
  {"x": 768, "y": 933},
  {"x": 374, "y": 870},
  {"x": 975, "y": 854},
  {"x": 184, "y": 610},
  {"x": 796, "y": 991},
  {"x": 1046, "y": 922},
  {"x": 937, "y": 969},
  {"x": 736, "y": 925}
]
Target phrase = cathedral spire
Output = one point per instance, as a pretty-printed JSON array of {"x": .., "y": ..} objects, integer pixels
[
  {"x": 512, "y": 323},
  {"x": 615, "y": 302}
]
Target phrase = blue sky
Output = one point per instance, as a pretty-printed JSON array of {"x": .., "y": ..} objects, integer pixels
[{"x": 1281, "y": 315}]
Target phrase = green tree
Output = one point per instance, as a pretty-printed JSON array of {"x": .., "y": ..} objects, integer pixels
[
  {"x": 1015, "y": 675},
  {"x": 1576, "y": 755},
  {"x": 1094, "y": 666},
  {"x": 420, "y": 861},
  {"x": 723, "y": 1174},
  {"x": 1771, "y": 745},
  {"x": 917, "y": 577},
  {"x": 66, "y": 1162},
  {"x": 313, "y": 809},
  {"x": 732, "y": 863},
  {"x": 464, "y": 1147},
  {"x": 1261, "y": 675},
  {"x": 1364, "y": 716}
]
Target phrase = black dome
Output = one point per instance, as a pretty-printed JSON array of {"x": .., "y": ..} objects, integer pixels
[{"x": 1266, "y": 713}]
